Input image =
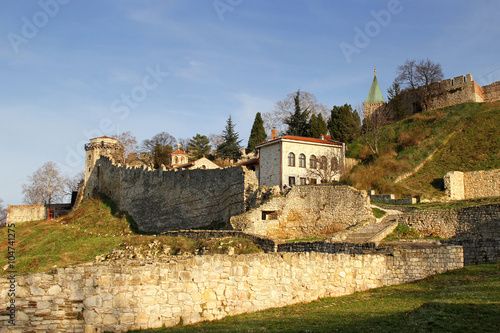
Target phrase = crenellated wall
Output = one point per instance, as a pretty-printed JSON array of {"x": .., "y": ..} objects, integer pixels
[
  {"x": 127, "y": 295},
  {"x": 160, "y": 200}
]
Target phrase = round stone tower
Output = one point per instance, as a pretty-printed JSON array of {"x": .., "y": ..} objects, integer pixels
[{"x": 101, "y": 146}]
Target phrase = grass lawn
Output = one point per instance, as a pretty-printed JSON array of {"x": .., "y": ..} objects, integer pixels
[{"x": 465, "y": 300}]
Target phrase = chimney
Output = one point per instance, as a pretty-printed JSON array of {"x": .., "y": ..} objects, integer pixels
[
  {"x": 274, "y": 134},
  {"x": 322, "y": 136}
]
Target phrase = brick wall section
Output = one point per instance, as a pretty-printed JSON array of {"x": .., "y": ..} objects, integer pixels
[
  {"x": 472, "y": 185},
  {"x": 164, "y": 200},
  {"x": 120, "y": 296},
  {"x": 477, "y": 229},
  {"x": 307, "y": 211}
]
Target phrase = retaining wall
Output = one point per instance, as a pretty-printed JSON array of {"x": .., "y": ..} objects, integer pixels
[
  {"x": 120, "y": 296},
  {"x": 471, "y": 185},
  {"x": 476, "y": 228}
]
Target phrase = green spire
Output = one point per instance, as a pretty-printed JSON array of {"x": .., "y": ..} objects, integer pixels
[{"x": 375, "y": 94}]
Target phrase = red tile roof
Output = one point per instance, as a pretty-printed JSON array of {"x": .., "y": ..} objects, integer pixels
[
  {"x": 327, "y": 140},
  {"x": 178, "y": 152}
]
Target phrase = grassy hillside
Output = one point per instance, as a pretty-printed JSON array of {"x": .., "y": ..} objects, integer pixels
[
  {"x": 463, "y": 137},
  {"x": 465, "y": 300},
  {"x": 95, "y": 228}
]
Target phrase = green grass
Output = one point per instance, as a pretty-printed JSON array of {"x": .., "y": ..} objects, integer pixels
[
  {"x": 402, "y": 232},
  {"x": 455, "y": 204},
  {"x": 378, "y": 213},
  {"x": 465, "y": 137},
  {"x": 88, "y": 232},
  {"x": 465, "y": 300}
]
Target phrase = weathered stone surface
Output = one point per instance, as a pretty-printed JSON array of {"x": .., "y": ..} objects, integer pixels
[
  {"x": 307, "y": 211},
  {"x": 209, "y": 287},
  {"x": 471, "y": 185}
]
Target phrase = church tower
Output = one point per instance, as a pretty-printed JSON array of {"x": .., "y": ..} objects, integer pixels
[{"x": 375, "y": 99}]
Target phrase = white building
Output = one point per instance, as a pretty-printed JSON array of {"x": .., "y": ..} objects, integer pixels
[{"x": 293, "y": 160}]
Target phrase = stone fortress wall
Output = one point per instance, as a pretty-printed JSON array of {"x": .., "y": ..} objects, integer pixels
[
  {"x": 475, "y": 228},
  {"x": 160, "y": 200},
  {"x": 306, "y": 212},
  {"x": 471, "y": 185},
  {"x": 120, "y": 296}
]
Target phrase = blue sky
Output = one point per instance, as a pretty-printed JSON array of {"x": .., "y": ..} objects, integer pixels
[{"x": 73, "y": 69}]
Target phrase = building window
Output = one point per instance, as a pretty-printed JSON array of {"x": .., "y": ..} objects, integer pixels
[
  {"x": 313, "y": 162},
  {"x": 291, "y": 181},
  {"x": 312, "y": 181},
  {"x": 335, "y": 164},
  {"x": 291, "y": 159},
  {"x": 302, "y": 161},
  {"x": 269, "y": 215},
  {"x": 303, "y": 181},
  {"x": 323, "y": 163}
]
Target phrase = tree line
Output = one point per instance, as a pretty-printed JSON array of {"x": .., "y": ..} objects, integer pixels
[{"x": 298, "y": 114}]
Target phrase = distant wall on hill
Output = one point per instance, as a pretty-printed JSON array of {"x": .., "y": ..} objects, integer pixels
[{"x": 471, "y": 185}]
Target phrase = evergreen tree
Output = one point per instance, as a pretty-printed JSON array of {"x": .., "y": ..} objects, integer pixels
[
  {"x": 318, "y": 126},
  {"x": 344, "y": 123},
  {"x": 199, "y": 146},
  {"x": 230, "y": 148},
  {"x": 298, "y": 122},
  {"x": 258, "y": 133}
]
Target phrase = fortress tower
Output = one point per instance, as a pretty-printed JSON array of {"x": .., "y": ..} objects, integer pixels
[
  {"x": 101, "y": 146},
  {"x": 375, "y": 99}
]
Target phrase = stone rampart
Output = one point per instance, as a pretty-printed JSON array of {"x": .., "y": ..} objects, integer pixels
[
  {"x": 160, "y": 200},
  {"x": 24, "y": 213},
  {"x": 307, "y": 211},
  {"x": 476, "y": 228},
  {"x": 471, "y": 185},
  {"x": 120, "y": 296},
  {"x": 492, "y": 92}
]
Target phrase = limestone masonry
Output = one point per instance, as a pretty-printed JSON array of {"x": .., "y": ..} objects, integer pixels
[
  {"x": 120, "y": 296},
  {"x": 471, "y": 185},
  {"x": 306, "y": 212},
  {"x": 160, "y": 200}
]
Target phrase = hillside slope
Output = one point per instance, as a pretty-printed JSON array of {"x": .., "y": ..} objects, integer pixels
[{"x": 462, "y": 137}]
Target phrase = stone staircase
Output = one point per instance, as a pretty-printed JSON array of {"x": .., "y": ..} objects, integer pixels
[{"x": 368, "y": 232}]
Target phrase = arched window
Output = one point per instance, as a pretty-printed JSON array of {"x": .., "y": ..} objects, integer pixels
[
  {"x": 291, "y": 159},
  {"x": 323, "y": 163},
  {"x": 335, "y": 164},
  {"x": 302, "y": 160},
  {"x": 313, "y": 162}
]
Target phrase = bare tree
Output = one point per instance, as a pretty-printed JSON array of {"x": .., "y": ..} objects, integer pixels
[
  {"x": 128, "y": 144},
  {"x": 3, "y": 214},
  {"x": 285, "y": 108},
  {"x": 372, "y": 127},
  {"x": 45, "y": 186},
  {"x": 71, "y": 183},
  {"x": 159, "y": 147},
  {"x": 216, "y": 139},
  {"x": 421, "y": 79},
  {"x": 328, "y": 167}
]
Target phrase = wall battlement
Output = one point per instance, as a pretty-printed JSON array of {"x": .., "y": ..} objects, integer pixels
[{"x": 160, "y": 200}]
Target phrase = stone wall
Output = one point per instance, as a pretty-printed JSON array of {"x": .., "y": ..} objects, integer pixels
[
  {"x": 121, "y": 296},
  {"x": 307, "y": 211},
  {"x": 471, "y": 185},
  {"x": 24, "y": 213},
  {"x": 476, "y": 228},
  {"x": 160, "y": 200},
  {"x": 461, "y": 89},
  {"x": 492, "y": 92}
]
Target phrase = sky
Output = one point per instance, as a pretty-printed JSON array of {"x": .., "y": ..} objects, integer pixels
[{"x": 73, "y": 70}]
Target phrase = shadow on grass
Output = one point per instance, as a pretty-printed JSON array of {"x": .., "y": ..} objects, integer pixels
[{"x": 118, "y": 213}]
